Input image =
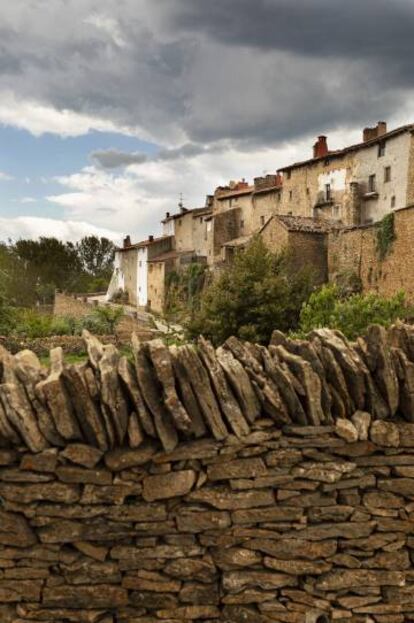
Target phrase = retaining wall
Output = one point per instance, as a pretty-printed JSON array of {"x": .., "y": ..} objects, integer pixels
[{"x": 244, "y": 484}]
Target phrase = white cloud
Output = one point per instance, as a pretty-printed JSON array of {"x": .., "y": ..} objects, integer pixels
[
  {"x": 5, "y": 177},
  {"x": 32, "y": 227},
  {"x": 28, "y": 200},
  {"x": 37, "y": 118}
]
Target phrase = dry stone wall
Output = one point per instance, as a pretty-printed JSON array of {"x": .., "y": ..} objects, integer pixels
[{"x": 243, "y": 484}]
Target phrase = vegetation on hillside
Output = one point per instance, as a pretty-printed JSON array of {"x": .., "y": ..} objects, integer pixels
[
  {"x": 31, "y": 270},
  {"x": 259, "y": 292}
]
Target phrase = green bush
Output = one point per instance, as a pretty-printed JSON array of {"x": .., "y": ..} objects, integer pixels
[
  {"x": 259, "y": 292},
  {"x": 385, "y": 236},
  {"x": 351, "y": 315},
  {"x": 102, "y": 320}
]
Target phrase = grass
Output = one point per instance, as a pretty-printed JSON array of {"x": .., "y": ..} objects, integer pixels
[{"x": 72, "y": 358}]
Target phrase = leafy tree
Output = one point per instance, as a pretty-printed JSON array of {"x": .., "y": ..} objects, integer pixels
[
  {"x": 259, "y": 292},
  {"x": 351, "y": 315},
  {"x": 96, "y": 255}
]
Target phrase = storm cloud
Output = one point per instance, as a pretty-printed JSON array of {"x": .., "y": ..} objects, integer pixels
[{"x": 190, "y": 72}]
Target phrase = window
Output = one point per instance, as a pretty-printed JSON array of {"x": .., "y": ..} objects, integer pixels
[
  {"x": 290, "y": 195},
  {"x": 262, "y": 220},
  {"x": 241, "y": 224},
  {"x": 393, "y": 201},
  {"x": 372, "y": 184},
  {"x": 308, "y": 191},
  {"x": 180, "y": 222},
  {"x": 288, "y": 174},
  {"x": 387, "y": 174},
  {"x": 381, "y": 149},
  {"x": 328, "y": 192}
]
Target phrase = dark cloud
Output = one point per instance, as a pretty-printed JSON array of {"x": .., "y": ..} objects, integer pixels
[
  {"x": 250, "y": 73},
  {"x": 113, "y": 158},
  {"x": 318, "y": 27}
]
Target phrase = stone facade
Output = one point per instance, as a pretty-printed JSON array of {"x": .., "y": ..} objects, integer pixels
[
  {"x": 354, "y": 250},
  {"x": 275, "y": 487}
]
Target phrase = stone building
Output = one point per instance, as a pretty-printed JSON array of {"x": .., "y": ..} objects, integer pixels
[
  {"x": 355, "y": 185},
  {"x": 131, "y": 267}
]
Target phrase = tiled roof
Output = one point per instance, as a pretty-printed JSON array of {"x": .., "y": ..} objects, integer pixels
[
  {"x": 339, "y": 153},
  {"x": 307, "y": 224},
  {"x": 144, "y": 243}
]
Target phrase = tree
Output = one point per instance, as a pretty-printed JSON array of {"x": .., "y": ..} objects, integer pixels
[
  {"x": 96, "y": 255},
  {"x": 259, "y": 292}
]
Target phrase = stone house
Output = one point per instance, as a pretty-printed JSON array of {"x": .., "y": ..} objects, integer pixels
[{"x": 355, "y": 185}]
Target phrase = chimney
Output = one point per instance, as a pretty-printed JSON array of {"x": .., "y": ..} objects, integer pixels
[
  {"x": 151, "y": 238},
  {"x": 279, "y": 179},
  {"x": 369, "y": 134},
  {"x": 167, "y": 215},
  {"x": 127, "y": 242},
  {"x": 320, "y": 149}
]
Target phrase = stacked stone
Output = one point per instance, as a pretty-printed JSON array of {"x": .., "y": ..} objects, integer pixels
[
  {"x": 276, "y": 527},
  {"x": 174, "y": 394}
]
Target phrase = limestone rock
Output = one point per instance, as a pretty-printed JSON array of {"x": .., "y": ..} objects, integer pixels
[
  {"x": 191, "y": 569},
  {"x": 292, "y": 548},
  {"x": 151, "y": 392},
  {"x": 15, "y": 530},
  {"x": 99, "y": 596},
  {"x": 224, "y": 393},
  {"x": 120, "y": 459},
  {"x": 161, "y": 360},
  {"x": 362, "y": 421},
  {"x": 239, "y": 468},
  {"x": 341, "y": 579},
  {"x": 385, "y": 434},
  {"x": 236, "y": 581},
  {"x": 114, "y": 405},
  {"x": 240, "y": 383},
  {"x": 193, "y": 521},
  {"x": 168, "y": 485},
  {"x": 128, "y": 376},
  {"x": 380, "y": 363},
  {"x": 81, "y": 454},
  {"x": 346, "y": 430},
  {"x": 52, "y": 392},
  {"x": 226, "y": 500}
]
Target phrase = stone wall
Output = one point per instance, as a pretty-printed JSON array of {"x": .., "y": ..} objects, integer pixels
[
  {"x": 240, "y": 484},
  {"x": 354, "y": 250}
]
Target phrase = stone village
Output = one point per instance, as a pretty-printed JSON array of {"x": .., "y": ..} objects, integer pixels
[{"x": 324, "y": 210}]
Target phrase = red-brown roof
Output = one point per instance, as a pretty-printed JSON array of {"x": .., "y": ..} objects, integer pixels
[{"x": 339, "y": 153}]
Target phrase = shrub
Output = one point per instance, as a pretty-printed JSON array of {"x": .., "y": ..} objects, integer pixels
[
  {"x": 385, "y": 236},
  {"x": 351, "y": 315},
  {"x": 259, "y": 292},
  {"x": 103, "y": 319}
]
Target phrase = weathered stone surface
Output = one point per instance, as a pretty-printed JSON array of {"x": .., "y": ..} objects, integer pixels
[
  {"x": 71, "y": 474},
  {"x": 161, "y": 360},
  {"x": 385, "y": 434},
  {"x": 401, "y": 486},
  {"x": 151, "y": 581},
  {"x": 227, "y": 401},
  {"x": 114, "y": 405},
  {"x": 45, "y": 461},
  {"x": 160, "y": 551},
  {"x": 341, "y": 579},
  {"x": 87, "y": 413},
  {"x": 128, "y": 376},
  {"x": 346, "y": 430},
  {"x": 236, "y": 581},
  {"x": 240, "y": 383},
  {"x": 81, "y": 454},
  {"x": 100, "y": 596},
  {"x": 53, "y": 492},
  {"x": 120, "y": 459},
  {"x": 380, "y": 363},
  {"x": 138, "y": 512},
  {"x": 151, "y": 392},
  {"x": 235, "y": 557},
  {"x": 15, "y": 530},
  {"x": 240, "y": 468},
  {"x": 261, "y": 515},
  {"x": 12, "y": 591},
  {"x": 266, "y": 390},
  {"x": 193, "y": 521},
  {"x": 324, "y": 472},
  {"x": 297, "y": 567},
  {"x": 288, "y": 548},
  {"x": 111, "y": 494},
  {"x": 192, "y": 569},
  {"x": 52, "y": 392},
  {"x": 168, "y": 485},
  {"x": 362, "y": 421},
  {"x": 227, "y": 500}
]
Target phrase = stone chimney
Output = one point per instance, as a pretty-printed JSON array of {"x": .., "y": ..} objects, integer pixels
[
  {"x": 127, "y": 242},
  {"x": 151, "y": 238},
  {"x": 167, "y": 215},
  {"x": 320, "y": 149},
  {"x": 369, "y": 134}
]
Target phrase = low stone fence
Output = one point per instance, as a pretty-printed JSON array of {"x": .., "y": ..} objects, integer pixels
[{"x": 242, "y": 484}]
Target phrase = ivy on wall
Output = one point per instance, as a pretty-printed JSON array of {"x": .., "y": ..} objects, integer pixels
[{"x": 385, "y": 236}]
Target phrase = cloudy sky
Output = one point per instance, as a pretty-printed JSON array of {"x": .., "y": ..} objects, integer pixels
[{"x": 109, "y": 109}]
